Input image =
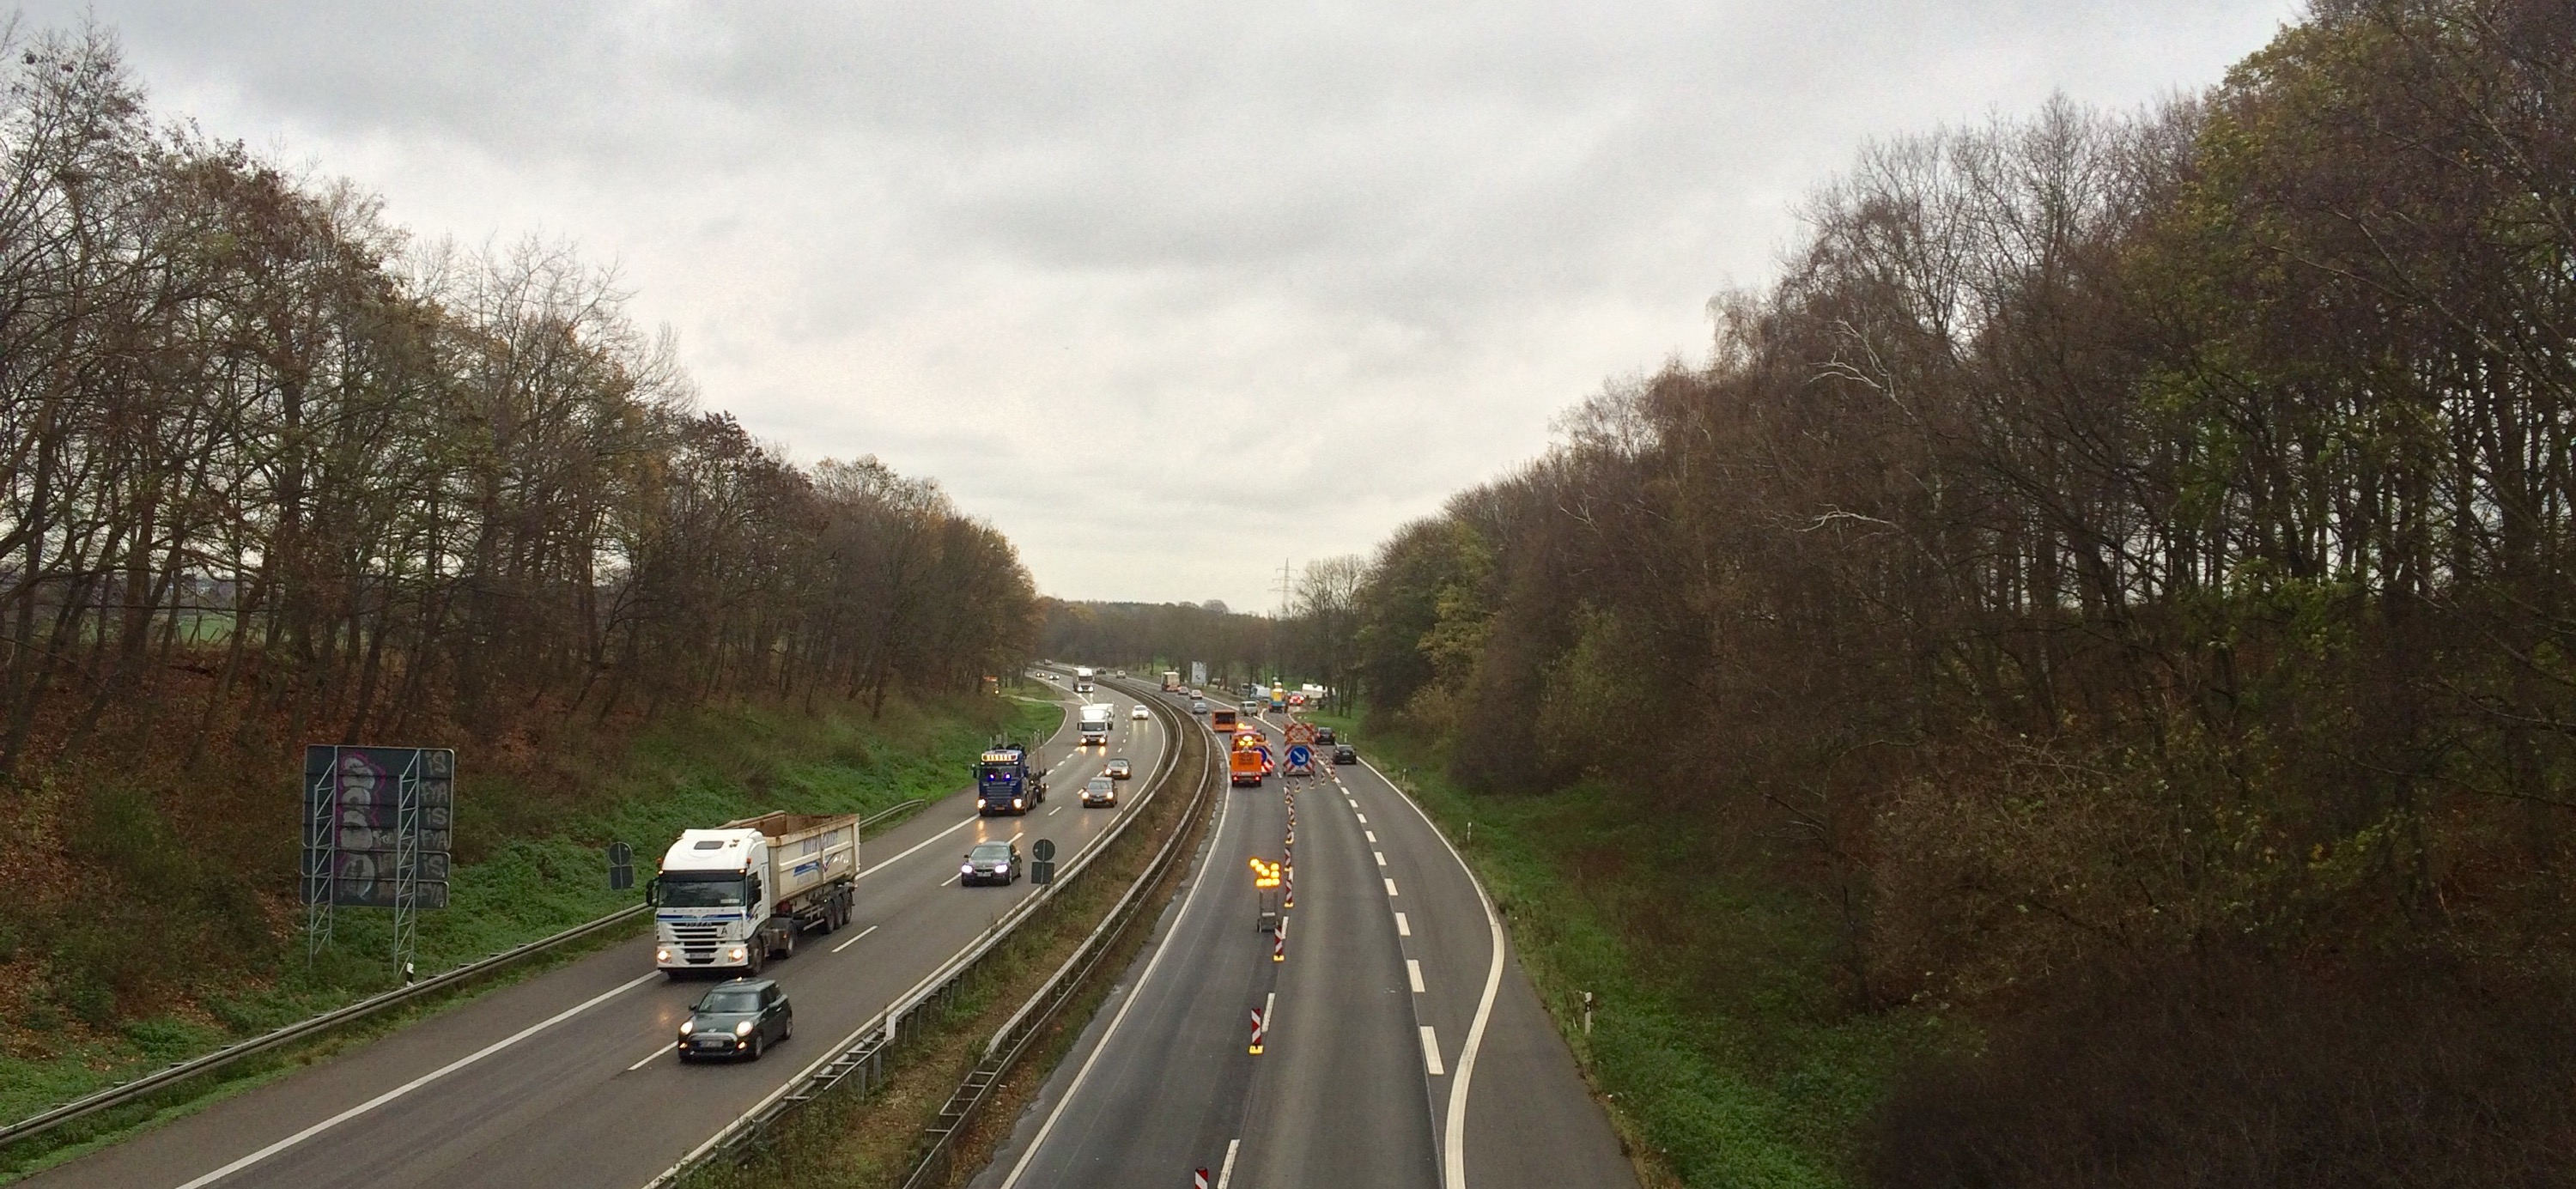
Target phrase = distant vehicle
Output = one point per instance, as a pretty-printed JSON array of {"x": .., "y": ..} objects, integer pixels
[
  {"x": 1344, "y": 755},
  {"x": 738, "y": 1019},
  {"x": 1140, "y": 713},
  {"x": 1171, "y": 681},
  {"x": 1324, "y": 735},
  {"x": 1278, "y": 698},
  {"x": 1100, "y": 791},
  {"x": 1119, "y": 769},
  {"x": 1197, "y": 694},
  {"x": 1296, "y": 699},
  {"x": 1249, "y": 706},
  {"x": 991, "y": 862},
  {"x": 734, "y": 897},
  {"x": 1081, "y": 679},
  {"x": 1006, "y": 781},
  {"x": 1222, "y": 721},
  {"x": 1095, "y": 724},
  {"x": 1198, "y": 706}
]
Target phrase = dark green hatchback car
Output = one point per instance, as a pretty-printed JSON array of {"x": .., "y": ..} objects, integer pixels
[{"x": 737, "y": 1019}]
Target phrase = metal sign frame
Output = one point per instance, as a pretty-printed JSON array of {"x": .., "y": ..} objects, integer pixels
[{"x": 390, "y": 810}]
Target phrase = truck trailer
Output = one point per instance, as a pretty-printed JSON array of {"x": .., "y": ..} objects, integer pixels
[
  {"x": 1171, "y": 681},
  {"x": 732, "y": 898}
]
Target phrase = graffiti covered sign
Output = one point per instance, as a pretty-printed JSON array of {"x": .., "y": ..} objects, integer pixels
[{"x": 379, "y": 824}]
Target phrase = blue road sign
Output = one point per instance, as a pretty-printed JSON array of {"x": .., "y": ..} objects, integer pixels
[{"x": 1300, "y": 756}]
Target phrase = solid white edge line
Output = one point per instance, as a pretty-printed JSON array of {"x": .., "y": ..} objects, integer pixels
[
  {"x": 914, "y": 847},
  {"x": 1431, "y": 1052},
  {"x": 1073, "y": 1089},
  {"x": 418, "y": 1082},
  {"x": 855, "y": 940},
  {"x": 1454, "y": 1140},
  {"x": 1413, "y": 971},
  {"x": 1225, "y": 1175},
  {"x": 648, "y": 1058}
]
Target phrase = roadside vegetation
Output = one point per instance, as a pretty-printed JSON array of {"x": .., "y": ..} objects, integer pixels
[
  {"x": 274, "y": 474},
  {"x": 2076, "y": 688}
]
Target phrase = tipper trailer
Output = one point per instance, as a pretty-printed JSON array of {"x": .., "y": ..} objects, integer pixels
[{"x": 734, "y": 897}]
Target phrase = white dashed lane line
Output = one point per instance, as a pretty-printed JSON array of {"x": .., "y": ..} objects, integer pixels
[
  {"x": 1431, "y": 1051},
  {"x": 1413, "y": 971},
  {"x": 1403, "y": 928},
  {"x": 1390, "y": 887}
]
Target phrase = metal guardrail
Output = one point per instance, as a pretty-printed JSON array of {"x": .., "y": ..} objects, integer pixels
[
  {"x": 860, "y": 1055},
  {"x": 1012, "y": 1040},
  {"x": 161, "y": 1079},
  {"x": 129, "y": 1091}
]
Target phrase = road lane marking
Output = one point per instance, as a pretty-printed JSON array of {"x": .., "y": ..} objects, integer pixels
[
  {"x": 1225, "y": 1175},
  {"x": 1413, "y": 970},
  {"x": 1390, "y": 887},
  {"x": 951, "y": 879},
  {"x": 1052, "y": 812},
  {"x": 1403, "y": 928},
  {"x": 1269, "y": 1013},
  {"x": 1372, "y": 836},
  {"x": 418, "y": 1082},
  {"x": 1073, "y": 1089},
  {"x": 917, "y": 846},
  {"x": 1453, "y": 1149},
  {"x": 1381, "y": 859},
  {"x": 1431, "y": 1051},
  {"x": 648, "y": 1058},
  {"x": 1363, "y": 820},
  {"x": 855, "y": 940}
]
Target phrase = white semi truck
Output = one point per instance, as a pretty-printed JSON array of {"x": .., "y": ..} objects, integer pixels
[
  {"x": 1082, "y": 679},
  {"x": 1095, "y": 723},
  {"x": 732, "y": 898}
]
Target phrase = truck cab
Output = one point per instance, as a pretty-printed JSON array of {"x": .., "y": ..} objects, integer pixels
[
  {"x": 1095, "y": 724},
  {"x": 1004, "y": 782}
]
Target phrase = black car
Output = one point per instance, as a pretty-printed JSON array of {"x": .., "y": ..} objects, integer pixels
[
  {"x": 1324, "y": 736},
  {"x": 991, "y": 862},
  {"x": 1344, "y": 755},
  {"x": 738, "y": 1019}
]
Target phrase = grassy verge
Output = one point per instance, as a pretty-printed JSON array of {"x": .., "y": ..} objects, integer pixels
[
  {"x": 1718, "y": 1041},
  {"x": 531, "y": 863},
  {"x": 845, "y": 1140}
]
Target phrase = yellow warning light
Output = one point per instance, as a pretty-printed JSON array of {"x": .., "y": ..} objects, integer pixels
[{"x": 1264, "y": 875}]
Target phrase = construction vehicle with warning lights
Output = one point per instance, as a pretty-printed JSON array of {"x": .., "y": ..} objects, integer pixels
[{"x": 1249, "y": 761}]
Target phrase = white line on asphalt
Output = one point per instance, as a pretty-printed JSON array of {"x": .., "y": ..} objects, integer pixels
[
  {"x": 1454, "y": 1127},
  {"x": 648, "y": 1058},
  {"x": 918, "y": 845},
  {"x": 418, "y": 1082},
  {"x": 1431, "y": 1051},
  {"x": 1413, "y": 970},
  {"x": 1225, "y": 1175},
  {"x": 1381, "y": 857},
  {"x": 1216, "y": 840},
  {"x": 950, "y": 880},
  {"x": 1390, "y": 887},
  {"x": 1403, "y": 928},
  {"x": 855, "y": 940},
  {"x": 1363, "y": 820},
  {"x": 1372, "y": 836},
  {"x": 1052, "y": 812}
]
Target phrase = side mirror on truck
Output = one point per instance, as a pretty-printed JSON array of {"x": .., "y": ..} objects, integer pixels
[{"x": 653, "y": 891}]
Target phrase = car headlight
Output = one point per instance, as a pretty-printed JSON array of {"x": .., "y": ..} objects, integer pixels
[
  {"x": 1015, "y": 803},
  {"x": 662, "y": 954},
  {"x": 688, "y": 1026},
  {"x": 736, "y": 953},
  {"x": 742, "y": 1029},
  {"x": 966, "y": 869}
]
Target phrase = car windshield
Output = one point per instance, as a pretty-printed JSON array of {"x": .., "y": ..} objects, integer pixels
[
  {"x": 1099, "y": 784},
  {"x": 735, "y": 1002},
  {"x": 683, "y": 892},
  {"x": 992, "y": 852}
]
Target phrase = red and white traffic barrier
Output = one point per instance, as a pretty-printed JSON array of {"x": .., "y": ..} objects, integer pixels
[
  {"x": 1279, "y": 942},
  {"x": 1260, "y": 1027},
  {"x": 1198, "y": 1180},
  {"x": 1288, "y": 877}
]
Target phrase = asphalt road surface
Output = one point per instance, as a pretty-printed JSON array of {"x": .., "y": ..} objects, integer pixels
[
  {"x": 569, "y": 1078},
  {"x": 1405, "y": 1047}
]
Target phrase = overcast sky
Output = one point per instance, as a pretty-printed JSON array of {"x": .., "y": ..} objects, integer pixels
[{"x": 1170, "y": 293}]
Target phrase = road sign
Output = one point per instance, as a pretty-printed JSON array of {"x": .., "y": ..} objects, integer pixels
[
  {"x": 1043, "y": 849},
  {"x": 1042, "y": 871},
  {"x": 621, "y": 867},
  {"x": 1300, "y": 732},
  {"x": 1264, "y": 875},
  {"x": 379, "y": 823},
  {"x": 1301, "y": 761}
]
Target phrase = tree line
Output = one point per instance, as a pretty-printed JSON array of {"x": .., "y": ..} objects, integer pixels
[
  {"x": 2119, "y": 548},
  {"x": 1314, "y": 641},
  {"x": 271, "y": 473}
]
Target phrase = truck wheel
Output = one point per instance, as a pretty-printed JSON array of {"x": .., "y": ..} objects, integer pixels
[{"x": 787, "y": 944}]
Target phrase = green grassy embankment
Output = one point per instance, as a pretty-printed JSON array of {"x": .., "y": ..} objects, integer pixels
[
  {"x": 531, "y": 862},
  {"x": 1718, "y": 1039}
]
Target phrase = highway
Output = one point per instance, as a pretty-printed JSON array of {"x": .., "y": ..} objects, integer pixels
[
  {"x": 568, "y": 1078},
  {"x": 1405, "y": 1048}
]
